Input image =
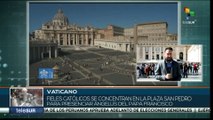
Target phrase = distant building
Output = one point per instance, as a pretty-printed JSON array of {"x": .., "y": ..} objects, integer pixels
[
  {"x": 154, "y": 53},
  {"x": 154, "y": 33},
  {"x": 148, "y": 34},
  {"x": 116, "y": 43},
  {"x": 110, "y": 32},
  {"x": 129, "y": 32},
  {"x": 42, "y": 49},
  {"x": 113, "y": 37},
  {"x": 61, "y": 32},
  {"x": 195, "y": 53}
]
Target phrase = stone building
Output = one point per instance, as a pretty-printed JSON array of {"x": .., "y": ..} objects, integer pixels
[
  {"x": 154, "y": 53},
  {"x": 42, "y": 49},
  {"x": 147, "y": 34},
  {"x": 110, "y": 32},
  {"x": 195, "y": 53},
  {"x": 119, "y": 43},
  {"x": 129, "y": 32},
  {"x": 154, "y": 33},
  {"x": 64, "y": 34}
]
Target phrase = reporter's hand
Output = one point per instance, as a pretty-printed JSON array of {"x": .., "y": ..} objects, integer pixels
[{"x": 168, "y": 76}]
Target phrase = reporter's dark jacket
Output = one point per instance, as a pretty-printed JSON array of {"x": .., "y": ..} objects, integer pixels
[{"x": 161, "y": 71}]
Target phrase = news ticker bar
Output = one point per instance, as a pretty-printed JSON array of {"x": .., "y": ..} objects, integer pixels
[
  {"x": 126, "y": 110},
  {"x": 32, "y": 110}
]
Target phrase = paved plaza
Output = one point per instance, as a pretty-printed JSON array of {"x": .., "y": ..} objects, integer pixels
[{"x": 88, "y": 66}]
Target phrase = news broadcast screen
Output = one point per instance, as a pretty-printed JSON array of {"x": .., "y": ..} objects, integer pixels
[{"x": 105, "y": 59}]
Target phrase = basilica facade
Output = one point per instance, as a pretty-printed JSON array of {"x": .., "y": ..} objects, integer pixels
[{"x": 61, "y": 32}]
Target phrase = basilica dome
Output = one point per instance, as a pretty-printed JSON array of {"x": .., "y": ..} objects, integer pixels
[{"x": 60, "y": 18}]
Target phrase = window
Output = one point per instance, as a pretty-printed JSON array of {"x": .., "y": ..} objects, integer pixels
[
  {"x": 181, "y": 55},
  {"x": 157, "y": 57},
  {"x": 147, "y": 57}
]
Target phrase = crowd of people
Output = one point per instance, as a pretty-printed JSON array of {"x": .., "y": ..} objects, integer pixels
[
  {"x": 145, "y": 70},
  {"x": 189, "y": 69}
]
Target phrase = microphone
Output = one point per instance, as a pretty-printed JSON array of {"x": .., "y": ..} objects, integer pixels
[{"x": 169, "y": 67}]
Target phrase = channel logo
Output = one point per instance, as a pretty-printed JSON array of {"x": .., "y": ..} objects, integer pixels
[{"x": 189, "y": 13}]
